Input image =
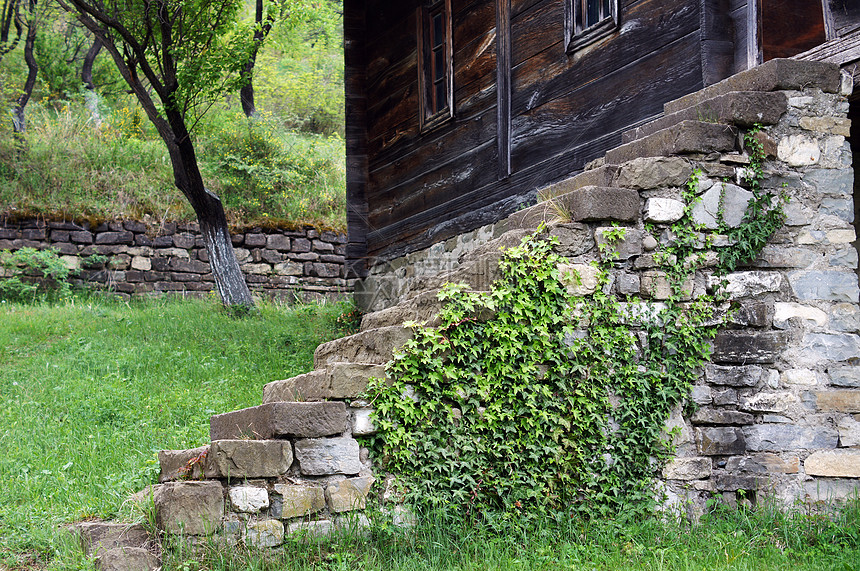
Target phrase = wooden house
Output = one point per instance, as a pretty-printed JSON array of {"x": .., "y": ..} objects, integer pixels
[{"x": 457, "y": 110}]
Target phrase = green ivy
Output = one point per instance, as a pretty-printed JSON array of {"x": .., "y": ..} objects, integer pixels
[{"x": 527, "y": 400}]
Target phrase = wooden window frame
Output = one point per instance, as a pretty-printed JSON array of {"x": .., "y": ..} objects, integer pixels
[
  {"x": 577, "y": 34},
  {"x": 430, "y": 113}
]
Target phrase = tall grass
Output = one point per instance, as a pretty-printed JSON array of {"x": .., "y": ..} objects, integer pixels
[{"x": 91, "y": 390}]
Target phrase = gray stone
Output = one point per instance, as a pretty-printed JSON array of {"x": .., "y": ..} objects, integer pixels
[
  {"x": 840, "y": 207},
  {"x": 289, "y": 269},
  {"x": 784, "y": 437},
  {"x": 764, "y": 463},
  {"x": 573, "y": 239},
  {"x": 731, "y": 198},
  {"x": 311, "y": 529},
  {"x": 278, "y": 419},
  {"x": 803, "y": 377},
  {"x": 184, "y": 241},
  {"x": 687, "y": 469},
  {"x": 593, "y": 203},
  {"x": 828, "y": 491},
  {"x": 748, "y": 347},
  {"x": 649, "y": 243},
  {"x": 309, "y": 387},
  {"x": 849, "y": 432},
  {"x": 844, "y": 376},
  {"x": 720, "y": 416},
  {"x": 182, "y": 464},
  {"x": 248, "y": 459},
  {"x": 113, "y": 238},
  {"x": 127, "y": 559},
  {"x": 821, "y": 347},
  {"x": 721, "y": 441},
  {"x": 348, "y": 495},
  {"x": 654, "y": 172},
  {"x": 681, "y": 138},
  {"x": 297, "y": 501},
  {"x": 747, "y": 284},
  {"x": 375, "y": 346},
  {"x": 833, "y": 464},
  {"x": 843, "y": 258},
  {"x": 189, "y": 508},
  {"x": 625, "y": 247},
  {"x": 266, "y": 533},
  {"x": 98, "y": 536},
  {"x": 845, "y": 317},
  {"x": 831, "y": 181},
  {"x": 725, "y": 397},
  {"x": 248, "y": 499},
  {"x": 255, "y": 240},
  {"x": 774, "y": 256},
  {"x": 826, "y": 285},
  {"x": 742, "y": 376},
  {"x": 326, "y": 456},
  {"x": 628, "y": 283},
  {"x": 277, "y": 242},
  {"x": 348, "y": 380},
  {"x": 701, "y": 394},
  {"x": 656, "y": 285},
  {"x": 81, "y": 237},
  {"x": 732, "y": 482}
]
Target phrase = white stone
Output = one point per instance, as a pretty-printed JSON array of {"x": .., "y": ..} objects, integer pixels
[
  {"x": 808, "y": 315},
  {"x": 841, "y": 236},
  {"x": 747, "y": 284},
  {"x": 257, "y": 269},
  {"x": 663, "y": 210},
  {"x": 694, "y": 468},
  {"x": 580, "y": 279},
  {"x": 770, "y": 402},
  {"x": 361, "y": 422},
  {"x": 806, "y": 377},
  {"x": 141, "y": 263},
  {"x": 173, "y": 253},
  {"x": 71, "y": 262},
  {"x": 798, "y": 150},
  {"x": 849, "y": 431},
  {"x": 248, "y": 499},
  {"x": 834, "y": 464}
]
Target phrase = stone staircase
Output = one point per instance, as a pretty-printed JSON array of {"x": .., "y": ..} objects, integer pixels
[{"x": 293, "y": 463}]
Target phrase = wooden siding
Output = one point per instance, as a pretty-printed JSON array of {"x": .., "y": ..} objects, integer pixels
[{"x": 565, "y": 108}]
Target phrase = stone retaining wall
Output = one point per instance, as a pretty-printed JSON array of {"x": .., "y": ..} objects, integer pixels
[{"x": 147, "y": 259}]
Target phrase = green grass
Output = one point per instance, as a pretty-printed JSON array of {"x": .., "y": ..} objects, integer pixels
[{"x": 91, "y": 390}]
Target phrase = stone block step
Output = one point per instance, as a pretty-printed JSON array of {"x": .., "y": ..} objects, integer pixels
[
  {"x": 773, "y": 75},
  {"x": 280, "y": 419},
  {"x": 374, "y": 346},
  {"x": 422, "y": 307},
  {"x": 683, "y": 138},
  {"x": 336, "y": 381},
  {"x": 739, "y": 108},
  {"x": 227, "y": 459},
  {"x": 586, "y": 204},
  {"x": 600, "y": 176}
]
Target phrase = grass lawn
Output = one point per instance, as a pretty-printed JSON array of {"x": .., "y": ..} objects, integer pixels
[{"x": 90, "y": 390}]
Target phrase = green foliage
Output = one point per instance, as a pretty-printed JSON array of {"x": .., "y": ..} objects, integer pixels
[
  {"x": 34, "y": 275},
  {"x": 526, "y": 399},
  {"x": 763, "y": 217}
]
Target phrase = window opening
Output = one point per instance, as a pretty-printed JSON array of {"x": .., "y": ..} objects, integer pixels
[
  {"x": 587, "y": 21},
  {"x": 435, "y": 66}
]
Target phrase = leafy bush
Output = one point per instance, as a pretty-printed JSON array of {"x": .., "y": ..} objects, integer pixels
[{"x": 34, "y": 275}]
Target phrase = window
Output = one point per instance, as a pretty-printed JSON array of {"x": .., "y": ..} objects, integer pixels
[
  {"x": 436, "y": 87},
  {"x": 586, "y": 21}
]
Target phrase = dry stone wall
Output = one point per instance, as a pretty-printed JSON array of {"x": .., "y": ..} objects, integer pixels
[{"x": 143, "y": 260}]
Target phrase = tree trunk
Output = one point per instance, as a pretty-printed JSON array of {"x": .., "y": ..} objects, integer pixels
[
  {"x": 210, "y": 216},
  {"x": 19, "y": 122},
  {"x": 91, "y": 97},
  {"x": 246, "y": 92}
]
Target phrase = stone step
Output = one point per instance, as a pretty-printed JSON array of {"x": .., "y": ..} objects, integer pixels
[
  {"x": 422, "y": 307},
  {"x": 374, "y": 346},
  {"x": 738, "y": 108},
  {"x": 336, "y": 381},
  {"x": 227, "y": 459},
  {"x": 601, "y": 176},
  {"x": 585, "y": 204},
  {"x": 682, "y": 138},
  {"x": 280, "y": 419},
  {"x": 773, "y": 75}
]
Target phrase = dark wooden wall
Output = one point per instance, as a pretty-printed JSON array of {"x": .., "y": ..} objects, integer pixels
[{"x": 565, "y": 108}]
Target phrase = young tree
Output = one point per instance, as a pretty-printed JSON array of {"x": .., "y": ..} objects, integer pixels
[
  {"x": 31, "y": 23},
  {"x": 178, "y": 57}
]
